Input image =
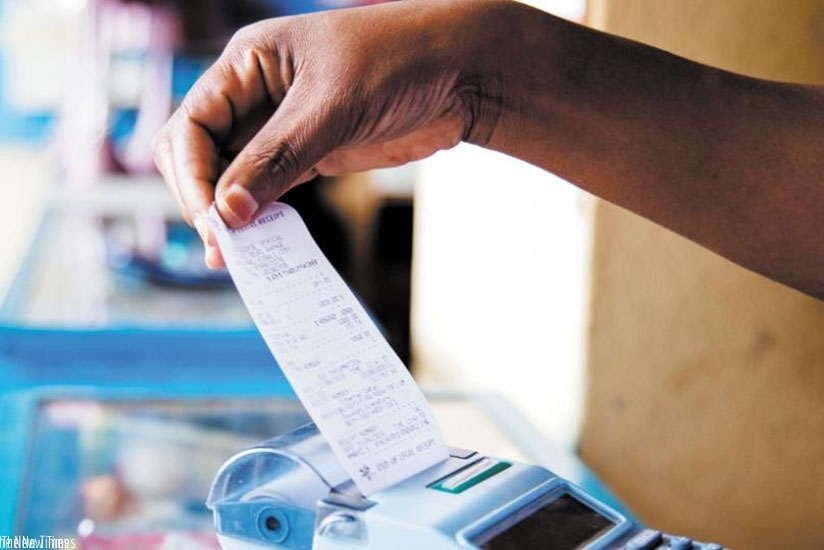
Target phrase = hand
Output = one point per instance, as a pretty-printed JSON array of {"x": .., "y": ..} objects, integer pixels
[{"x": 328, "y": 93}]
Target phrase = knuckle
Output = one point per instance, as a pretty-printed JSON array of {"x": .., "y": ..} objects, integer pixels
[
  {"x": 195, "y": 106},
  {"x": 278, "y": 165},
  {"x": 251, "y": 35},
  {"x": 196, "y": 96},
  {"x": 243, "y": 36},
  {"x": 286, "y": 159}
]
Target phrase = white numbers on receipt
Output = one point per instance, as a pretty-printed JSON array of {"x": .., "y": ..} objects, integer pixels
[{"x": 351, "y": 382}]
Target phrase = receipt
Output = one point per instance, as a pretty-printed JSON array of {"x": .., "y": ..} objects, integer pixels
[{"x": 354, "y": 386}]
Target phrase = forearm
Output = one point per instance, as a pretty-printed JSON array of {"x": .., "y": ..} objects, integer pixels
[{"x": 733, "y": 163}]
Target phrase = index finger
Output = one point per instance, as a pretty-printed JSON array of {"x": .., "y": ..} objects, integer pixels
[{"x": 235, "y": 86}]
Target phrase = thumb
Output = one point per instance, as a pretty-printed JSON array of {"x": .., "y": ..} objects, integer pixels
[{"x": 279, "y": 156}]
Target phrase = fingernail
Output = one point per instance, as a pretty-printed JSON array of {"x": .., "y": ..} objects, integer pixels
[{"x": 239, "y": 204}]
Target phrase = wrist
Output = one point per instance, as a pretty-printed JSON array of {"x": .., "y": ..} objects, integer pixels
[
  {"x": 517, "y": 78},
  {"x": 485, "y": 88}
]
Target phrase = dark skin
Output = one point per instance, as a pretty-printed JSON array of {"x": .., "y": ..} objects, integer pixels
[{"x": 734, "y": 163}]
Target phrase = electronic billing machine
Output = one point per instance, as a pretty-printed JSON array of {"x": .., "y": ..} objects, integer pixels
[{"x": 292, "y": 493}]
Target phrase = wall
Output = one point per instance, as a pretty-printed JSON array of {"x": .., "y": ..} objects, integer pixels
[
  {"x": 705, "y": 392},
  {"x": 499, "y": 280},
  {"x": 499, "y": 284}
]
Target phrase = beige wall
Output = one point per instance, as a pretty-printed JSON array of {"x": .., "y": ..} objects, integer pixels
[{"x": 705, "y": 395}]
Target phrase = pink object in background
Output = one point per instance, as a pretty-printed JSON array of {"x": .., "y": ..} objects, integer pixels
[
  {"x": 112, "y": 30},
  {"x": 151, "y": 541},
  {"x": 124, "y": 63}
]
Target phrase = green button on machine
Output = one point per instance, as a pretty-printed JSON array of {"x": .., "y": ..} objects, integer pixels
[{"x": 480, "y": 470}]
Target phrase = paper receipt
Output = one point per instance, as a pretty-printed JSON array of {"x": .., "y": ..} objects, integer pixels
[{"x": 344, "y": 372}]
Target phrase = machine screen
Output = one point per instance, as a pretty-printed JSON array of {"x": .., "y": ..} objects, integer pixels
[{"x": 564, "y": 524}]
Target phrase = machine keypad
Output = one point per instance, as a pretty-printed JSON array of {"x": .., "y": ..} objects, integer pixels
[
  {"x": 680, "y": 543},
  {"x": 650, "y": 539},
  {"x": 645, "y": 540}
]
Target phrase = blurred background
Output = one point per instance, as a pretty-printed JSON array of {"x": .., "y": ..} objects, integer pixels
[{"x": 695, "y": 389}]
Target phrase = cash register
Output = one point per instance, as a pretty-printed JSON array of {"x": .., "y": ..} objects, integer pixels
[
  {"x": 291, "y": 493},
  {"x": 110, "y": 382}
]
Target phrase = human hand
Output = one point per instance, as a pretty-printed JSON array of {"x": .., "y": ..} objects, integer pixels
[{"x": 328, "y": 93}]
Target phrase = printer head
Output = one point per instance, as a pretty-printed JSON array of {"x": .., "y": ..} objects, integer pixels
[{"x": 267, "y": 496}]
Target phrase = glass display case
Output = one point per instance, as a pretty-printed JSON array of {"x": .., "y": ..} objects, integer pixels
[
  {"x": 117, "y": 468},
  {"x": 98, "y": 263},
  {"x": 134, "y": 473}
]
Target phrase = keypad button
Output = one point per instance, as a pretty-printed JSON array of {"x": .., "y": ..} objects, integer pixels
[
  {"x": 645, "y": 540},
  {"x": 680, "y": 543}
]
